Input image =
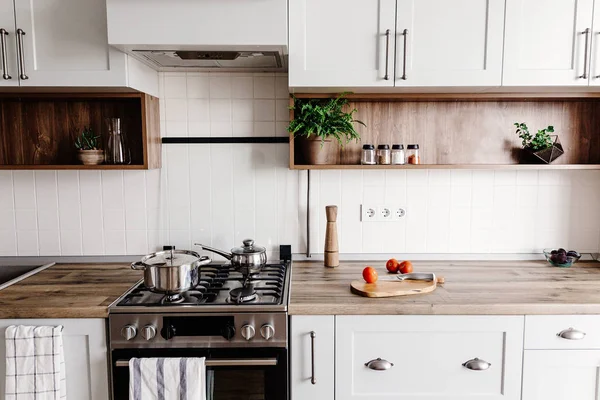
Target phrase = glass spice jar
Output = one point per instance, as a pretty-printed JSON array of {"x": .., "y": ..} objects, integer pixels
[
  {"x": 383, "y": 154},
  {"x": 412, "y": 154},
  {"x": 398, "y": 154},
  {"x": 368, "y": 155}
]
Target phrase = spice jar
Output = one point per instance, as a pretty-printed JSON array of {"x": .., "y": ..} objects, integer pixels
[
  {"x": 368, "y": 155},
  {"x": 412, "y": 153},
  {"x": 398, "y": 154},
  {"x": 383, "y": 154}
]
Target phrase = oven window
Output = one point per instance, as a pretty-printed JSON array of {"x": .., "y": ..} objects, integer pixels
[{"x": 235, "y": 385}]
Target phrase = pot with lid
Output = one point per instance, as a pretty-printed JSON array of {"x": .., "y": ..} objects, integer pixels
[
  {"x": 248, "y": 259},
  {"x": 171, "y": 271}
]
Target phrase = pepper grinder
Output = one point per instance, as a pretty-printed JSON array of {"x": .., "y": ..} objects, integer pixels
[{"x": 332, "y": 250}]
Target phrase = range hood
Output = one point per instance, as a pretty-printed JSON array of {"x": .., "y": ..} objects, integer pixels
[
  {"x": 228, "y": 60},
  {"x": 233, "y": 35}
]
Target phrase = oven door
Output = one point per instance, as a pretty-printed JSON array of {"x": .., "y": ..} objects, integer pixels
[{"x": 232, "y": 374}]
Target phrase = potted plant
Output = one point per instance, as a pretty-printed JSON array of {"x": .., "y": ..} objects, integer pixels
[
  {"x": 89, "y": 152},
  {"x": 318, "y": 122},
  {"x": 541, "y": 147}
]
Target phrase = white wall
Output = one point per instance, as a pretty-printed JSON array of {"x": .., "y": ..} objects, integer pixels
[{"x": 221, "y": 194}]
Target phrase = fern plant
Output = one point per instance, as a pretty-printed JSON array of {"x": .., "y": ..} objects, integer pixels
[
  {"x": 540, "y": 141},
  {"x": 324, "y": 119},
  {"x": 87, "y": 140}
]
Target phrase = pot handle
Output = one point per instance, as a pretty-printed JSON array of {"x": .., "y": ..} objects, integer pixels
[
  {"x": 139, "y": 266},
  {"x": 217, "y": 251}
]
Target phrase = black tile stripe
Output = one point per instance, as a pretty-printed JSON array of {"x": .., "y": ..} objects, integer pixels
[{"x": 225, "y": 140}]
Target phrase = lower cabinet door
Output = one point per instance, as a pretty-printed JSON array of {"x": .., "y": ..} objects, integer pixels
[
  {"x": 312, "y": 357},
  {"x": 86, "y": 356},
  {"x": 428, "y": 357},
  {"x": 561, "y": 374}
]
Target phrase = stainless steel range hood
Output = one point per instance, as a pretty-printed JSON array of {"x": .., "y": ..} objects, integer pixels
[{"x": 228, "y": 60}]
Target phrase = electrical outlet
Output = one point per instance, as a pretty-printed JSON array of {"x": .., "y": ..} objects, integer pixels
[
  {"x": 368, "y": 213},
  {"x": 398, "y": 213},
  {"x": 384, "y": 213}
]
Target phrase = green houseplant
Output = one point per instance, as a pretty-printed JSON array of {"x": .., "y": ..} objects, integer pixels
[
  {"x": 317, "y": 122},
  {"x": 88, "y": 148},
  {"x": 541, "y": 147}
]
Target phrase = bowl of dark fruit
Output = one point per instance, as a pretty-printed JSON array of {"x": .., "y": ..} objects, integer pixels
[{"x": 561, "y": 257}]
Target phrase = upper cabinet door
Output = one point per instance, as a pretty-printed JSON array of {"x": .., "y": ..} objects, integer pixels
[
  {"x": 341, "y": 43},
  {"x": 8, "y": 54},
  {"x": 449, "y": 43},
  {"x": 65, "y": 43},
  {"x": 595, "y": 51},
  {"x": 545, "y": 42}
]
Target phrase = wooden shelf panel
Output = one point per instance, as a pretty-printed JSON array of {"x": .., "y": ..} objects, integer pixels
[
  {"x": 75, "y": 167},
  {"x": 452, "y": 166}
]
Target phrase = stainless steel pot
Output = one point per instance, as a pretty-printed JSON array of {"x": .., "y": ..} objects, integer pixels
[
  {"x": 249, "y": 259},
  {"x": 171, "y": 271}
]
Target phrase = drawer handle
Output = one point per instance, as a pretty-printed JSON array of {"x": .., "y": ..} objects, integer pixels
[
  {"x": 571, "y": 334},
  {"x": 477, "y": 365},
  {"x": 313, "y": 378},
  {"x": 379, "y": 365}
]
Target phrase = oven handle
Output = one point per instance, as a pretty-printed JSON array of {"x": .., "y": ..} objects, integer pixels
[{"x": 225, "y": 362}]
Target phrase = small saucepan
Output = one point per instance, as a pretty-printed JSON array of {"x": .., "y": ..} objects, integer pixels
[
  {"x": 171, "y": 271},
  {"x": 249, "y": 259}
]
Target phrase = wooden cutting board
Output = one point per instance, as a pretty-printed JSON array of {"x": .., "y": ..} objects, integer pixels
[{"x": 392, "y": 288}]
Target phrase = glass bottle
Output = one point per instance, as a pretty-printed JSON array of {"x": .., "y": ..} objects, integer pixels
[
  {"x": 117, "y": 151},
  {"x": 398, "y": 154},
  {"x": 383, "y": 154},
  {"x": 368, "y": 155},
  {"x": 412, "y": 154}
]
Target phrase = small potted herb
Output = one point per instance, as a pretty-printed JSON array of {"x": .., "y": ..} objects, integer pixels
[
  {"x": 318, "y": 122},
  {"x": 541, "y": 147},
  {"x": 89, "y": 152}
]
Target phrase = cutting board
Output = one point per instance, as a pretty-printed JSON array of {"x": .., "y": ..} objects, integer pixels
[{"x": 392, "y": 288}]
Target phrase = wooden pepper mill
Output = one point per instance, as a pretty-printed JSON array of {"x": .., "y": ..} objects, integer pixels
[{"x": 332, "y": 250}]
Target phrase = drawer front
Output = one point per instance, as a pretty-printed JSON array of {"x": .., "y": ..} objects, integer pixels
[
  {"x": 544, "y": 332},
  {"x": 428, "y": 353}
]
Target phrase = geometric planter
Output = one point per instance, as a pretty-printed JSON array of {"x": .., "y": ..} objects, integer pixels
[{"x": 545, "y": 156}]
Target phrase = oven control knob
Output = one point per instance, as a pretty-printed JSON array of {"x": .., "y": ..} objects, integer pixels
[
  {"x": 248, "y": 332},
  {"x": 267, "y": 331},
  {"x": 228, "y": 332},
  {"x": 148, "y": 332},
  {"x": 128, "y": 332}
]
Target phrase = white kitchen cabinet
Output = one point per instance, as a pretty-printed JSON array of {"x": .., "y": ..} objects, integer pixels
[
  {"x": 303, "y": 348},
  {"x": 561, "y": 375},
  {"x": 86, "y": 357},
  {"x": 545, "y": 42},
  {"x": 449, "y": 43},
  {"x": 341, "y": 43},
  {"x": 8, "y": 52},
  {"x": 428, "y": 355},
  {"x": 595, "y": 48}
]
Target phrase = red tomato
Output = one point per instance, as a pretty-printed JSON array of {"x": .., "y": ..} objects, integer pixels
[
  {"x": 392, "y": 265},
  {"x": 370, "y": 275},
  {"x": 406, "y": 267}
]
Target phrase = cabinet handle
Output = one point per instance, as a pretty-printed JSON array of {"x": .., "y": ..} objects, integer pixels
[
  {"x": 5, "y": 74},
  {"x": 20, "y": 34},
  {"x": 387, "y": 54},
  {"x": 379, "y": 364},
  {"x": 585, "y": 54},
  {"x": 477, "y": 365},
  {"x": 313, "y": 379},
  {"x": 571, "y": 334},
  {"x": 405, "y": 34},
  {"x": 597, "y": 76}
]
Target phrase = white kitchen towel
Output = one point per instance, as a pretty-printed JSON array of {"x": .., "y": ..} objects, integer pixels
[
  {"x": 167, "y": 379},
  {"x": 35, "y": 363}
]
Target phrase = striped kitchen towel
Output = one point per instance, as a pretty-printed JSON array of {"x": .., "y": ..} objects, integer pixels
[
  {"x": 35, "y": 366},
  {"x": 167, "y": 379}
]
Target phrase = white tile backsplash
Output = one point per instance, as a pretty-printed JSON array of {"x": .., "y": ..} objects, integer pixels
[{"x": 221, "y": 194}]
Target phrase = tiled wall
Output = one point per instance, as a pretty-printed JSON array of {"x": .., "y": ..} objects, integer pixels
[{"x": 221, "y": 194}]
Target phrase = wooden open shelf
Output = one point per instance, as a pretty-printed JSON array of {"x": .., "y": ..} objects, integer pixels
[
  {"x": 467, "y": 132},
  {"x": 38, "y": 130}
]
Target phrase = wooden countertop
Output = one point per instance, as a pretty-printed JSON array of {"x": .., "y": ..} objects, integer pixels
[
  {"x": 471, "y": 287},
  {"x": 68, "y": 291}
]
